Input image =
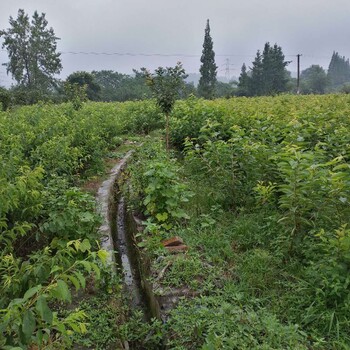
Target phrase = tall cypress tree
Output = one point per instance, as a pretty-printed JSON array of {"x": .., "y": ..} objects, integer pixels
[
  {"x": 207, "y": 81},
  {"x": 243, "y": 82},
  {"x": 256, "y": 86},
  {"x": 279, "y": 76},
  {"x": 268, "y": 74}
]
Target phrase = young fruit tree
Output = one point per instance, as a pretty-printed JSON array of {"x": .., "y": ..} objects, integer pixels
[{"x": 166, "y": 85}]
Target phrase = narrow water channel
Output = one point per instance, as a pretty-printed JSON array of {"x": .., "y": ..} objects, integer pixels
[
  {"x": 128, "y": 258},
  {"x": 117, "y": 232}
]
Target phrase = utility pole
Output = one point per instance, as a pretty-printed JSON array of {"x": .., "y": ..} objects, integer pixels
[{"x": 298, "y": 69}]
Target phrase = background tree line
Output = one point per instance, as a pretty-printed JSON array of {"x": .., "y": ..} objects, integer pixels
[
  {"x": 35, "y": 64},
  {"x": 269, "y": 76}
]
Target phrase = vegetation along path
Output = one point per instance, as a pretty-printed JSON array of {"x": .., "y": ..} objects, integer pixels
[{"x": 241, "y": 227}]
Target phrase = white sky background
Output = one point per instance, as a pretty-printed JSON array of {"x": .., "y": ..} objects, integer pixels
[{"x": 314, "y": 28}]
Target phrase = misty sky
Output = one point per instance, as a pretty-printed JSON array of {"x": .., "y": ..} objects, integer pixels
[{"x": 314, "y": 28}]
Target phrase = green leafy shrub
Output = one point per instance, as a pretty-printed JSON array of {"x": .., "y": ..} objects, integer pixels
[
  {"x": 29, "y": 287},
  {"x": 165, "y": 194}
]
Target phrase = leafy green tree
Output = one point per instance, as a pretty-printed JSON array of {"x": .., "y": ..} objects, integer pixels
[
  {"x": 243, "y": 82},
  {"x": 76, "y": 94},
  {"x": 82, "y": 78},
  {"x": 207, "y": 81},
  {"x": 4, "y": 99},
  {"x": 226, "y": 90},
  {"x": 188, "y": 90},
  {"x": 166, "y": 85},
  {"x": 314, "y": 80},
  {"x": 338, "y": 71},
  {"x": 121, "y": 87},
  {"x": 31, "y": 47}
]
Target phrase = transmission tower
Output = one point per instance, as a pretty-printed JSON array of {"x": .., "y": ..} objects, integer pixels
[{"x": 227, "y": 69}]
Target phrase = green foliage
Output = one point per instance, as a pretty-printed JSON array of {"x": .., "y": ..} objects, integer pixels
[
  {"x": 166, "y": 84},
  {"x": 258, "y": 270},
  {"x": 49, "y": 227},
  {"x": 338, "y": 71},
  {"x": 76, "y": 94},
  {"x": 103, "y": 314},
  {"x": 140, "y": 334},
  {"x": 36, "y": 284},
  {"x": 212, "y": 323},
  {"x": 31, "y": 47},
  {"x": 274, "y": 70},
  {"x": 165, "y": 194},
  {"x": 121, "y": 87},
  {"x": 141, "y": 117},
  {"x": 314, "y": 80},
  {"x": 207, "y": 82},
  {"x": 268, "y": 75},
  {"x": 85, "y": 81},
  {"x": 243, "y": 82},
  {"x": 278, "y": 170},
  {"x": 225, "y": 90},
  {"x": 268, "y": 230},
  {"x": 64, "y": 212},
  {"x": 345, "y": 88},
  {"x": 157, "y": 188},
  {"x": 329, "y": 280},
  {"x": 5, "y": 98}
]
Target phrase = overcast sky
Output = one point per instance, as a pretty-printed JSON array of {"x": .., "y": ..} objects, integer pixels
[{"x": 313, "y": 28}]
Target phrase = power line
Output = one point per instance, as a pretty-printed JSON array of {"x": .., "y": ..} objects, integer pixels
[
  {"x": 95, "y": 53},
  {"x": 102, "y": 53}
]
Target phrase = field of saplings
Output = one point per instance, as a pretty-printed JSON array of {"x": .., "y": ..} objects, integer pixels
[{"x": 258, "y": 189}]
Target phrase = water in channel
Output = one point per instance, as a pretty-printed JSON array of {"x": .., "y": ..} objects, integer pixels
[{"x": 128, "y": 258}]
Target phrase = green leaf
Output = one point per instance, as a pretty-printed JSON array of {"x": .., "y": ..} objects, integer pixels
[
  {"x": 147, "y": 200},
  {"x": 85, "y": 245},
  {"x": 43, "y": 310},
  {"x": 86, "y": 265},
  {"x": 28, "y": 323},
  {"x": 16, "y": 301},
  {"x": 103, "y": 255},
  {"x": 81, "y": 278},
  {"x": 87, "y": 217},
  {"x": 96, "y": 270},
  {"x": 167, "y": 226},
  {"x": 74, "y": 281},
  {"x": 55, "y": 269},
  {"x": 162, "y": 217},
  {"x": 62, "y": 291},
  {"x": 30, "y": 292}
]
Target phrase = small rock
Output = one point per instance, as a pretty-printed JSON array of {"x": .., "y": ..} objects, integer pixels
[
  {"x": 160, "y": 259},
  {"x": 173, "y": 241}
]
